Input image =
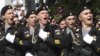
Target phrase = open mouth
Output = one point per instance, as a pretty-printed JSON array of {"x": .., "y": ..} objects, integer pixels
[
  {"x": 11, "y": 19},
  {"x": 45, "y": 18},
  {"x": 89, "y": 19}
]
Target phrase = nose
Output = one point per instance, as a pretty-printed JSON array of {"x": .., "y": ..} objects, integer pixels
[
  {"x": 12, "y": 15},
  {"x": 45, "y": 14},
  {"x": 64, "y": 25},
  {"x": 72, "y": 21},
  {"x": 90, "y": 15}
]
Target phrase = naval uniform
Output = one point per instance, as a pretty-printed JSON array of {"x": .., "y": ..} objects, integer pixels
[
  {"x": 8, "y": 48},
  {"x": 50, "y": 45},
  {"x": 81, "y": 48}
]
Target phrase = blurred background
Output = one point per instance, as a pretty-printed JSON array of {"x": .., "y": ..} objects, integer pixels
[{"x": 57, "y": 8}]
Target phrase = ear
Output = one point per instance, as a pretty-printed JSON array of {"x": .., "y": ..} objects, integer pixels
[
  {"x": 80, "y": 17},
  {"x": 3, "y": 17},
  {"x": 37, "y": 16},
  {"x": 27, "y": 20}
]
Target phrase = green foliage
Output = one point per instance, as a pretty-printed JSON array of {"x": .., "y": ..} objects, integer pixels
[{"x": 75, "y": 5}]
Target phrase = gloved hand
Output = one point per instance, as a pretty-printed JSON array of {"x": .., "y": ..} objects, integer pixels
[
  {"x": 28, "y": 54},
  {"x": 43, "y": 34},
  {"x": 91, "y": 36},
  {"x": 9, "y": 37}
]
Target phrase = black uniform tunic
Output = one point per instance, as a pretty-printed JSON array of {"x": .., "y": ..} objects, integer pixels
[{"x": 7, "y": 48}]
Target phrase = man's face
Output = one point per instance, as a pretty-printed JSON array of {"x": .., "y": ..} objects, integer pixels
[
  {"x": 43, "y": 16},
  {"x": 70, "y": 21},
  {"x": 9, "y": 16},
  {"x": 86, "y": 17},
  {"x": 16, "y": 20},
  {"x": 62, "y": 24},
  {"x": 53, "y": 22},
  {"x": 32, "y": 19}
]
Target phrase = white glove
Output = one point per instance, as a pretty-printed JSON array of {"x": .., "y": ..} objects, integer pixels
[
  {"x": 10, "y": 38},
  {"x": 28, "y": 54},
  {"x": 88, "y": 39},
  {"x": 43, "y": 34}
]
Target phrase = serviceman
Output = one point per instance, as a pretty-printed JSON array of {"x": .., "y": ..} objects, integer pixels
[
  {"x": 93, "y": 37},
  {"x": 7, "y": 17},
  {"x": 85, "y": 17},
  {"x": 24, "y": 35},
  {"x": 49, "y": 44},
  {"x": 62, "y": 24},
  {"x": 68, "y": 40}
]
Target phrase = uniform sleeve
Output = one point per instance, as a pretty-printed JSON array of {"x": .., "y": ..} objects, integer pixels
[
  {"x": 25, "y": 43},
  {"x": 53, "y": 39},
  {"x": 68, "y": 42},
  {"x": 16, "y": 38},
  {"x": 17, "y": 41}
]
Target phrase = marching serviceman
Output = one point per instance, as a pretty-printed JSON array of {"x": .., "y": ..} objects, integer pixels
[
  {"x": 68, "y": 40},
  {"x": 50, "y": 38},
  {"x": 85, "y": 17},
  {"x": 8, "y": 48},
  {"x": 24, "y": 35},
  {"x": 93, "y": 37}
]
